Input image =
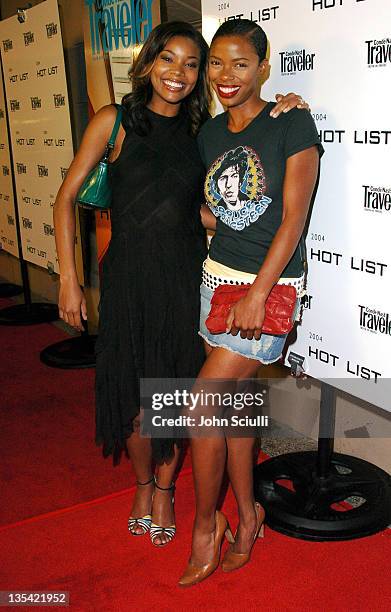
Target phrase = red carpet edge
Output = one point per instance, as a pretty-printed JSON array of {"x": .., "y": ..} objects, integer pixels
[{"x": 76, "y": 507}]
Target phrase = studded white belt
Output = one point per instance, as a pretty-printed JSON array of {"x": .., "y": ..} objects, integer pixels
[{"x": 215, "y": 274}]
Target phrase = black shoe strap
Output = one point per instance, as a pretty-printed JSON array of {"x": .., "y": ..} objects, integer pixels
[
  {"x": 170, "y": 488},
  {"x": 142, "y": 484}
]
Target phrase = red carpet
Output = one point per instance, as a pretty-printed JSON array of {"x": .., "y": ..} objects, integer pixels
[
  {"x": 77, "y": 538},
  {"x": 49, "y": 459},
  {"x": 88, "y": 552}
]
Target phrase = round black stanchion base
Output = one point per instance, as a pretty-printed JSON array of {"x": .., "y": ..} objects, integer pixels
[
  {"x": 353, "y": 501},
  {"x": 32, "y": 314},
  {"x": 9, "y": 290},
  {"x": 74, "y": 353}
]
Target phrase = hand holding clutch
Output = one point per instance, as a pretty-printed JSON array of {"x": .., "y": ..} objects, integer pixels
[{"x": 279, "y": 308}]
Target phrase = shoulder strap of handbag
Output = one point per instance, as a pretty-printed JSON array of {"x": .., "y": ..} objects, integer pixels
[{"x": 114, "y": 133}]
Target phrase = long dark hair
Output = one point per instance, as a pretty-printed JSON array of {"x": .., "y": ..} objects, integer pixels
[{"x": 196, "y": 105}]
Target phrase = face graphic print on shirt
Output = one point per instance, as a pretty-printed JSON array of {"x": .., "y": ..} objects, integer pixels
[
  {"x": 244, "y": 185},
  {"x": 235, "y": 188}
]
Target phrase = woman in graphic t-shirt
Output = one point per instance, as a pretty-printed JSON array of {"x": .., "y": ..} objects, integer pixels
[{"x": 261, "y": 174}]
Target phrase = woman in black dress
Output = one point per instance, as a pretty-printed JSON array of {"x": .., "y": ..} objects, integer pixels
[{"x": 149, "y": 307}]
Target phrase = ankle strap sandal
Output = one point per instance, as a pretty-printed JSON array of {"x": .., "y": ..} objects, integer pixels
[
  {"x": 156, "y": 531},
  {"x": 144, "y": 521}
]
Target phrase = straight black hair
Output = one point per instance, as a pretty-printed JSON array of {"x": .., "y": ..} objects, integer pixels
[
  {"x": 196, "y": 105},
  {"x": 250, "y": 30}
]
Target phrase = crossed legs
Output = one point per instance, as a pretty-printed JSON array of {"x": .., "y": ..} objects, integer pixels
[{"x": 209, "y": 457}]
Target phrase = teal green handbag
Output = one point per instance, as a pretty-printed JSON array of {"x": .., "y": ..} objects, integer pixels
[{"x": 95, "y": 192}]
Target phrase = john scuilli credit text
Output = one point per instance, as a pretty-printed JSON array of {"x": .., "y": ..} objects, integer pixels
[{"x": 234, "y": 420}]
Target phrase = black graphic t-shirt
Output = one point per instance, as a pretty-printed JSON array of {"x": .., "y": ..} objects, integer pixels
[{"x": 244, "y": 183}]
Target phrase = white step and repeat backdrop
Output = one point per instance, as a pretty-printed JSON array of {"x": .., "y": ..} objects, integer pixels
[
  {"x": 8, "y": 238},
  {"x": 41, "y": 137},
  {"x": 337, "y": 54}
]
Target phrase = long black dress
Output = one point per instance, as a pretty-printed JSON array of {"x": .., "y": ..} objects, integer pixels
[{"x": 149, "y": 307}]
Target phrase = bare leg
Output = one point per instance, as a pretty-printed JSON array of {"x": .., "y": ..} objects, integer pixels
[
  {"x": 240, "y": 471},
  {"x": 162, "y": 509},
  {"x": 208, "y": 348},
  {"x": 209, "y": 461},
  {"x": 140, "y": 453},
  {"x": 208, "y": 457}
]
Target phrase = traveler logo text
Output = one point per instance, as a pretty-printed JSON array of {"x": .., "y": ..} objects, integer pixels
[
  {"x": 377, "y": 199},
  {"x": 378, "y": 52},
  {"x": 27, "y": 223},
  {"x": 48, "y": 230},
  {"x": 42, "y": 171},
  {"x": 36, "y": 103},
  {"x": 28, "y": 38},
  {"x": 296, "y": 61},
  {"x": 21, "y": 168},
  {"x": 7, "y": 45},
  {"x": 59, "y": 100},
  {"x": 125, "y": 22},
  {"x": 51, "y": 29},
  {"x": 14, "y": 105},
  {"x": 375, "y": 321}
]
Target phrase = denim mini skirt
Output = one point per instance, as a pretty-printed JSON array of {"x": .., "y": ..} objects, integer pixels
[{"x": 266, "y": 350}]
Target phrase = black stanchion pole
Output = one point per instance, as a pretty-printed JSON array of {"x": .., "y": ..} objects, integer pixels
[
  {"x": 8, "y": 290},
  {"x": 71, "y": 354},
  {"x": 323, "y": 496},
  {"x": 326, "y": 430}
]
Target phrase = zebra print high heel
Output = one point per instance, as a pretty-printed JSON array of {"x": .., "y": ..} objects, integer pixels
[
  {"x": 144, "y": 521},
  {"x": 157, "y": 531}
]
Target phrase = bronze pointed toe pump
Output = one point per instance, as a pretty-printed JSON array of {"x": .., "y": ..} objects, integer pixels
[
  {"x": 233, "y": 560},
  {"x": 194, "y": 574}
]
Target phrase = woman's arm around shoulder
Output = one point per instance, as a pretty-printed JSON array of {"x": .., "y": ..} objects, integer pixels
[{"x": 207, "y": 218}]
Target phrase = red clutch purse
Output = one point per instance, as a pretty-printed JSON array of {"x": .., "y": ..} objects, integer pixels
[{"x": 279, "y": 308}]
